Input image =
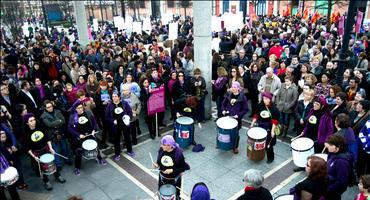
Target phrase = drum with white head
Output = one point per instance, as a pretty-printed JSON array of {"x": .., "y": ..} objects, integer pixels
[
  {"x": 167, "y": 192},
  {"x": 302, "y": 148},
  {"x": 256, "y": 143},
  {"x": 9, "y": 177},
  {"x": 227, "y": 132},
  {"x": 48, "y": 166},
  {"x": 90, "y": 147},
  {"x": 184, "y": 131}
]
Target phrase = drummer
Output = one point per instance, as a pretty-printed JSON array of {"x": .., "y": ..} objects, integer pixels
[
  {"x": 114, "y": 114},
  {"x": 4, "y": 164},
  {"x": 171, "y": 163},
  {"x": 267, "y": 117},
  {"x": 235, "y": 105},
  {"x": 37, "y": 144},
  {"x": 82, "y": 123}
]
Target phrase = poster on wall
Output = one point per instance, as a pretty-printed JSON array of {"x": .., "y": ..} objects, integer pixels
[
  {"x": 136, "y": 27},
  {"x": 95, "y": 25},
  {"x": 173, "y": 31}
]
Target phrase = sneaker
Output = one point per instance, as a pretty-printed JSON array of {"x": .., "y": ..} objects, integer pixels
[
  {"x": 131, "y": 154},
  {"x": 236, "y": 151},
  {"x": 77, "y": 171},
  {"x": 60, "y": 179},
  {"x": 48, "y": 186},
  {"x": 269, "y": 161},
  {"x": 102, "y": 162},
  {"x": 117, "y": 157}
]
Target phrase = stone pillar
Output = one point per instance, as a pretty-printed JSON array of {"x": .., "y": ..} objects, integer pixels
[
  {"x": 80, "y": 14},
  {"x": 202, "y": 18},
  {"x": 276, "y": 8}
]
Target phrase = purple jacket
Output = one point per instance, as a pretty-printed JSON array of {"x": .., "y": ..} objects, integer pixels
[
  {"x": 109, "y": 113},
  {"x": 73, "y": 121},
  {"x": 239, "y": 108},
  {"x": 339, "y": 169},
  {"x": 220, "y": 85},
  {"x": 325, "y": 129}
]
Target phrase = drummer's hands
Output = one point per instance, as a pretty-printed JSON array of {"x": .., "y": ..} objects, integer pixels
[
  {"x": 36, "y": 158},
  {"x": 52, "y": 151},
  {"x": 93, "y": 133},
  {"x": 224, "y": 112},
  {"x": 82, "y": 136},
  {"x": 155, "y": 165},
  {"x": 168, "y": 171},
  {"x": 178, "y": 115},
  {"x": 115, "y": 122},
  {"x": 235, "y": 116},
  {"x": 14, "y": 149}
]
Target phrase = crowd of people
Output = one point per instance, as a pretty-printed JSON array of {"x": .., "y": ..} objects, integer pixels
[{"x": 56, "y": 94}]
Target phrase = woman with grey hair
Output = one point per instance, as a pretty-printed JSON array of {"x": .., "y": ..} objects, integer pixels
[{"x": 253, "y": 180}]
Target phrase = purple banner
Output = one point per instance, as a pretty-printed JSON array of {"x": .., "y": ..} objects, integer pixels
[
  {"x": 341, "y": 26},
  {"x": 156, "y": 101}
]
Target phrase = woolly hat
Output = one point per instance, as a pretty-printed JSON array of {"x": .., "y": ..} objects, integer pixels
[
  {"x": 236, "y": 84},
  {"x": 321, "y": 101},
  {"x": 27, "y": 116},
  {"x": 267, "y": 95},
  {"x": 168, "y": 140}
]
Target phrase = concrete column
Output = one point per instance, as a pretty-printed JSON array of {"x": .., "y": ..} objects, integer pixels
[
  {"x": 80, "y": 14},
  {"x": 202, "y": 15},
  {"x": 276, "y": 9}
]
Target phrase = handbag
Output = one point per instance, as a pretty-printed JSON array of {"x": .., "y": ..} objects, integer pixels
[{"x": 278, "y": 127}]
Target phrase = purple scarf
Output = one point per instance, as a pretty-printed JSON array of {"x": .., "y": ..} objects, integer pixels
[{"x": 42, "y": 91}]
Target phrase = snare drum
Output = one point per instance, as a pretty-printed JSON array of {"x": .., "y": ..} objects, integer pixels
[
  {"x": 302, "y": 148},
  {"x": 184, "y": 131},
  {"x": 256, "y": 143},
  {"x": 227, "y": 133},
  {"x": 47, "y": 164},
  {"x": 9, "y": 177},
  {"x": 285, "y": 197},
  {"x": 167, "y": 192},
  {"x": 90, "y": 147}
]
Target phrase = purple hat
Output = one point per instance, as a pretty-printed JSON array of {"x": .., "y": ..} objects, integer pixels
[
  {"x": 168, "y": 140},
  {"x": 236, "y": 84},
  {"x": 321, "y": 100},
  {"x": 267, "y": 95},
  {"x": 27, "y": 116}
]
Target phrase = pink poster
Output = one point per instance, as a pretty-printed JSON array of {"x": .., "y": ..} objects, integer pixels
[
  {"x": 341, "y": 26},
  {"x": 359, "y": 17},
  {"x": 156, "y": 101}
]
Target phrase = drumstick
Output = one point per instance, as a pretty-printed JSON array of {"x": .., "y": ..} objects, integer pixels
[
  {"x": 38, "y": 164},
  {"x": 151, "y": 158},
  {"x": 323, "y": 150},
  {"x": 61, "y": 155},
  {"x": 182, "y": 191},
  {"x": 155, "y": 170},
  {"x": 295, "y": 138}
]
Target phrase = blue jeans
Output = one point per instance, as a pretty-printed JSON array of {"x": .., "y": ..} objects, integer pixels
[{"x": 61, "y": 147}]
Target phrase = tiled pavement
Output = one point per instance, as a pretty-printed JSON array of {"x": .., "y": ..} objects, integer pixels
[{"x": 221, "y": 171}]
